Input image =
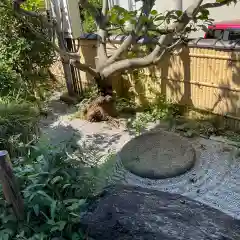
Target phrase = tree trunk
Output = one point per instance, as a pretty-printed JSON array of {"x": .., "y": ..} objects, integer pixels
[
  {"x": 104, "y": 86},
  {"x": 102, "y": 108}
]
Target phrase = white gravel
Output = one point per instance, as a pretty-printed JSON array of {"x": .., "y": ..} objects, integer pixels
[{"x": 214, "y": 180}]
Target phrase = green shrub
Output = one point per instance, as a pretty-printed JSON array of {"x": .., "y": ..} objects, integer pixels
[
  {"x": 159, "y": 110},
  {"x": 54, "y": 190},
  {"x": 24, "y": 57},
  {"x": 18, "y": 126},
  {"x": 34, "y": 5}
]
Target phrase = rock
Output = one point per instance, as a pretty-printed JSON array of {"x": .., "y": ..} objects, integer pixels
[
  {"x": 134, "y": 213},
  {"x": 158, "y": 154},
  {"x": 69, "y": 99}
]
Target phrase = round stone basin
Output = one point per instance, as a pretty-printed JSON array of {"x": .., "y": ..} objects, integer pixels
[{"x": 158, "y": 155}]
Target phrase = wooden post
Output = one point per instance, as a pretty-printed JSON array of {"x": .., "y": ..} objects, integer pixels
[{"x": 9, "y": 186}]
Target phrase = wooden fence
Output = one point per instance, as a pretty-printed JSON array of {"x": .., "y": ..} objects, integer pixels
[{"x": 205, "y": 75}]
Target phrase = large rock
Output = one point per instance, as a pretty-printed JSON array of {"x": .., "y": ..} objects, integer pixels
[
  {"x": 158, "y": 154},
  {"x": 135, "y": 213}
]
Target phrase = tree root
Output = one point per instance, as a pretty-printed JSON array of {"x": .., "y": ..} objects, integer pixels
[{"x": 102, "y": 109}]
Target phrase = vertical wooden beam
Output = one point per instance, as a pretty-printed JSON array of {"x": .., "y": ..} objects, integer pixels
[
  {"x": 56, "y": 11},
  {"x": 9, "y": 185}
]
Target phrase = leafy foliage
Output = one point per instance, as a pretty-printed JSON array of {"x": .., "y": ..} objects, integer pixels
[
  {"x": 125, "y": 21},
  {"x": 34, "y": 5},
  {"x": 18, "y": 126},
  {"x": 24, "y": 58},
  {"x": 54, "y": 190},
  {"x": 89, "y": 25},
  {"x": 160, "y": 110}
]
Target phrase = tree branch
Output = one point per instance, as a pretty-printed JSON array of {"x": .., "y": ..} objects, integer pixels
[
  {"x": 62, "y": 53},
  {"x": 157, "y": 54},
  {"x": 41, "y": 17},
  {"x": 216, "y": 4},
  {"x": 72, "y": 58},
  {"x": 83, "y": 67},
  {"x": 134, "y": 63},
  {"x": 146, "y": 9},
  {"x": 102, "y": 34}
]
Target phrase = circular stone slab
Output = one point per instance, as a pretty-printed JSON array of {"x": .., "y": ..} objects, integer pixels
[{"x": 157, "y": 155}]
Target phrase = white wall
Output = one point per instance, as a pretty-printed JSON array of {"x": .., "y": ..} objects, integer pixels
[
  {"x": 166, "y": 5},
  {"x": 219, "y": 14}
]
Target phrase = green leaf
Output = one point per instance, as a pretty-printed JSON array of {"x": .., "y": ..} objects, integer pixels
[
  {"x": 59, "y": 226},
  {"x": 113, "y": 18},
  {"x": 77, "y": 236},
  {"x": 179, "y": 13},
  {"x": 159, "y": 18},
  {"x": 40, "y": 158},
  {"x": 133, "y": 21},
  {"x": 56, "y": 179},
  {"x": 144, "y": 19},
  {"x": 9, "y": 218},
  {"x": 6, "y": 234},
  {"x": 74, "y": 214},
  {"x": 38, "y": 174},
  {"x": 76, "y": 205},
  {"x": 66, "y": 185},
  {"x": 31, "y": 196},
  {"x": 154, "y": 12},
  {"x": 204, "y": 14},
  {"x": 34, "y": 186},
  {"x": 45, "y": 195},
  {"x": 28, "y": 216},
  {"x": 122, "y": 21},
  {"x": 47, "y": 218},
  {"x": 118, "y": 9},
  {"x": 36, "y": 209},
  {"x": 68, "y": 201},
  {"x": 53, "y": 209},
  {"x": 51, "y": 222}
]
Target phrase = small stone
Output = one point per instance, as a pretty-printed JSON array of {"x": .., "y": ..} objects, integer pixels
[
  {"x": 190, "y": 134},
  {"x": 183, "y": 201},
  {"x": 192, "y": 180},
  {"x": 182, "y": 127},
  {"x": 69, "y": 99},
  {"x": 226, "y": 149},
  {"x": 202, "y": 147}
]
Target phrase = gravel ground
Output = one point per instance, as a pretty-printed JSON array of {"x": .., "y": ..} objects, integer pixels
[{"x": 214, "y": 180}]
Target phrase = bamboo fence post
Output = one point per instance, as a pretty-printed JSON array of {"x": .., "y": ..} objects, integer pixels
[{"x": 9, "y": 185}]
